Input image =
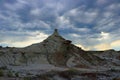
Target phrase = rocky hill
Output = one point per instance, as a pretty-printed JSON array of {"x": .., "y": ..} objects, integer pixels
[{"x": 55, "y": 51}]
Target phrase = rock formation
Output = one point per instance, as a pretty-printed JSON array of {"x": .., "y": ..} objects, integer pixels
[{"x": 57, "y": 51}]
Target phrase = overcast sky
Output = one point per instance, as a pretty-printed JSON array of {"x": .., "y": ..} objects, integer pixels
[{"x": 90, "y": 24}]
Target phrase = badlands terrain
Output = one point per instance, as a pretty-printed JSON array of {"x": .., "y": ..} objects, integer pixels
[{"x": 56, "y": 58}]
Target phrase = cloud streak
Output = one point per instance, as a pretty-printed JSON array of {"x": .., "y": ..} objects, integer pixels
[{"x": 92, "y": 24}]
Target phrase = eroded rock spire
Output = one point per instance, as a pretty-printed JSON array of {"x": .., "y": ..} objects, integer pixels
[{"x": 56, "y": 32}]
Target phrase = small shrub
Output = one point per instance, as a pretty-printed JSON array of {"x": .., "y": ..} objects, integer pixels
[
  {"x": 3, "y": 67},
  {"x": 113, "y": 70},
  {"x": 44, "y": 77},
  {"x": 27, "y": 78},
  {"x": 17, "y": 74},
  {"x": 72, "y": 70},
  {"x": 68, "y": 73},
  {"x": 10, "y": 74},
  {"x": 116, "y": 79},
  {"x": 1, "y": 73},
  {"x": 1, "y": 47}
]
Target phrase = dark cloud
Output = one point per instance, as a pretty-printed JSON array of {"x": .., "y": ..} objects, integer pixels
[{"x": 86, "y": 22}]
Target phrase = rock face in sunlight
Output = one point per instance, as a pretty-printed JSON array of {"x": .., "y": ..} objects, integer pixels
[{"x": 55, "y": 52}]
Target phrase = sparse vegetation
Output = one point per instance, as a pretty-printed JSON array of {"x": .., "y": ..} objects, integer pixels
[
  {"x": 1, "y": 53},
  {"x": 29, "y": 74},
  {"x": 10, "y": 74},
  {"x": 116, "y": 79},
  {"x": 68, "y": 74},
  {"x": 1, "y": 47},
  {"x": 27, "y": 78},
  {"x": 17, "y": 74},
  {"x": 72, "y": 70},
  {"x": 23, "y": 58},
  {"x": 1, "y": 73},
  {"x": 3, "y": 67}
]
